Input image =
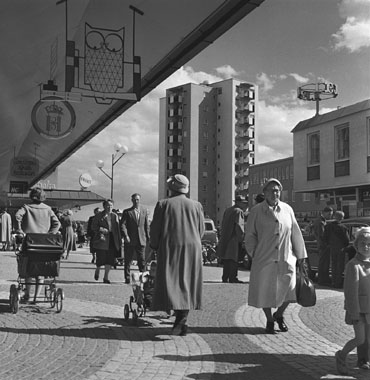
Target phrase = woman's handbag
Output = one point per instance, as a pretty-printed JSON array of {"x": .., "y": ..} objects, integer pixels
[{"x": 305, "y": 289}]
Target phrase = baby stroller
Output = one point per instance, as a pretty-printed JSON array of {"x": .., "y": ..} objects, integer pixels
[
  {"x": 39, "y": 256},
  {"x": 143, "y": 289}
]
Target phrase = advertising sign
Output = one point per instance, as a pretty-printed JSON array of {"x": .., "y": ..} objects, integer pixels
[{"x": 24, "y": 167}]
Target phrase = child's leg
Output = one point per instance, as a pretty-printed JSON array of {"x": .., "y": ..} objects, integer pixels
[{"x": 359, "y": 328}]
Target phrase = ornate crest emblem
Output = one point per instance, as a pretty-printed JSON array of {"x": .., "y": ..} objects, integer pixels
[{"x": 53, "y": 119}]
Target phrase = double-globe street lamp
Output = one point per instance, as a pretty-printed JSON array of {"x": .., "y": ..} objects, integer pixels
[{"x": 120, "y": 151}]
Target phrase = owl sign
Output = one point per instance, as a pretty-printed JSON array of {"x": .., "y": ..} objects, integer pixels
[{"x": 104, "y": 59}]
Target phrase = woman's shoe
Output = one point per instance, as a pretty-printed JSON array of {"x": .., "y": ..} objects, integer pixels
[
  {"x": 341, "y": 364},
  {"x": 96, "y": 276},
  {"x": 106, "y": 281},
  {"x": 270, "y": 328},
  {"x": 280, "y": 321}
]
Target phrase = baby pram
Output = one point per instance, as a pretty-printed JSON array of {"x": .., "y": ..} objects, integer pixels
[
  {"x": 39, "y": 256},
  {"x": 143, "y": 289}
]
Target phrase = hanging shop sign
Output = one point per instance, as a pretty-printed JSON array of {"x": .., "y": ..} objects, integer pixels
[
  {"x": 53, "y": 118},
  {"x": 85, "y": 180}
]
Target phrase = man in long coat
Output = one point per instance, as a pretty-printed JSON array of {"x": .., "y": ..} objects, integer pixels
[
  {"x": 175, "y": 233},
  {"x": 274, "y": 241},
  {"x": 232, "y": 235}
]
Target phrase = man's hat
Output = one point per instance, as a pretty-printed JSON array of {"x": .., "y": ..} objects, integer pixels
[
  {"x": 240, "y": 198},
  {"x": 272, "y": 180},
  {"x": 328, "y": 209},
  {"x": 178, "y": 183}
]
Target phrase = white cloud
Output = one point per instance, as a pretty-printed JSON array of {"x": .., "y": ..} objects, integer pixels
[
  {"x": 299, "y": 78},
  {"x": 274, "y": 124},
  {"x": 227, "y": 72},
  {"x": 354, "y": 34},
  {"x": 265, "y": 82}
]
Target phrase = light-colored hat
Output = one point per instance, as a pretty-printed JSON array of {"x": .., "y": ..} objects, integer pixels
[
  {"x": 178, "y": 183},
  {"x": 272, "y": 180}
]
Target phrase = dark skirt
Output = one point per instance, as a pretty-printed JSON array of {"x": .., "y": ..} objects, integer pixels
[{"x": 104, "y": 257}]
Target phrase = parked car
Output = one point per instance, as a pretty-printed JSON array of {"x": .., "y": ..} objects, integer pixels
[
  {"x": 210, "y": 232},
  {"x": 353, "y": 225}
]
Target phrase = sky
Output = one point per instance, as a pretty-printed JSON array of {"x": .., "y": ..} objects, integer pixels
[{"x": 280, "y": 46}]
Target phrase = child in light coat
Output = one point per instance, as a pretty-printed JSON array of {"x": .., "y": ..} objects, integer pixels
[{"x": 357, "y": 300}]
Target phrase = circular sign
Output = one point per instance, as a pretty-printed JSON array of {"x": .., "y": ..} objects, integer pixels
[
  {"x": 53, "y": 118},
  {"x": 85, "y": 180}
]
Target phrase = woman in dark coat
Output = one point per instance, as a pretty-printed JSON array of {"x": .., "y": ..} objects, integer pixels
[
  {"x": 106, "y": 239},
  {"x": 175, "y": 233}
]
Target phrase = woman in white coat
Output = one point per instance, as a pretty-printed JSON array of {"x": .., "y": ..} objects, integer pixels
[{"x": 274, "y": 241}]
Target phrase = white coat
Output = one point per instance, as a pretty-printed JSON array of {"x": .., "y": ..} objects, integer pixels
[{"x": 274, "y": 241}]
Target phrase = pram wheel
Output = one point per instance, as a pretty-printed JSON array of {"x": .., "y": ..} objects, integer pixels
[
  {"x": 59, "y": 296},
  {"x": 14, "y": 299},
  {"x": 49, "y": 294},
  {"x": 126, "y": 312}
]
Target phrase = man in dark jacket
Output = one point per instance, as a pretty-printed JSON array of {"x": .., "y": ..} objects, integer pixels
[
  {"x": 232, "y": 235},
  {"x": 135, "y": 232},
  {"x": 336, "y": 237},
  {"x": 324, "y": 254}
]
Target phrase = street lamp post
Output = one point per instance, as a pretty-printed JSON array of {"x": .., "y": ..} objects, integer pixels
[{"x": 121, "y": 150}]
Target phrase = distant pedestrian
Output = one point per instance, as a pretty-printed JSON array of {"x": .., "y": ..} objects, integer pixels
[
  {"x": 357, "y": 303},
  {"x": 175, "y": 233},
  {"x": 274, "y": 241},
  {"x": 229, "y": 248},
  {"x": 90, "y": 234},
  {"x": 336, "y": 238},
  {"x": 81, "y": 239},
  {"x": 106, "y": 240},
  {"x": 68, "y": 233},
  {"x": 5, "y": 229},
  {"x": 135, "y": 233},
  {"x": 318, "y": 227}
]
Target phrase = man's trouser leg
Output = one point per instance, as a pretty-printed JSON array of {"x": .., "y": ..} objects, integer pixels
[
  {"x": 233, "y": 274},
  {"x": 128, "y": 255},
  {"x": 226, "y": 270},
  {"x": 140, "y": 254},
  {"x": 324, "y": 265}
]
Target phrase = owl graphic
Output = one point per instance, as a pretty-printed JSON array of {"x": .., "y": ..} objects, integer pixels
[{"x": 104, "y": 48}]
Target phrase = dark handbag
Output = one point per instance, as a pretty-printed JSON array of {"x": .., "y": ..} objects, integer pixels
[{"x": 305, "y": 289}]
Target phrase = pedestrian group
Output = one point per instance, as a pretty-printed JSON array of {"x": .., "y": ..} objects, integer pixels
[{"x": 269, "y": 236}]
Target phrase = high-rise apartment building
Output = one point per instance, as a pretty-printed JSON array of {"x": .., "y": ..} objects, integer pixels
[{"x": 207, "y": 132}]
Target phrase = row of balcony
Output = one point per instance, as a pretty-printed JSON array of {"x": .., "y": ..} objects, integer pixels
[
  {"x": 249, "y": 133},
  {"x": 249, "y": 146}
]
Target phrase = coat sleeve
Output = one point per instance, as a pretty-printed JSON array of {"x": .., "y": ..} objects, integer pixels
[
  {"x": 201, "y": 221},
  {"x": 123, "y": 224},
  {"x": 251, "y": 237},
  {"x": 156, "y": 227},
  {"x": 351, "y": 284},
  {"x": 146, "y": 226},
  {"x": 54, "y": 223},
  {"x": 298, "y": 246},
  {"x": 239, "y": 225},
  {"x": 19, "y": 217}
]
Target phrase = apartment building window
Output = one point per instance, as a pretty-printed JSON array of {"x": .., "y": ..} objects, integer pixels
[
  {"x": 293, "y": 196},
  {"x": 341, "y": 167},
  {"x": 205, "y": 174},
  {"x": 205, "y": 161},
  {"x": 204, "y": 188},
  {"x": 306, "y": 197},
  {"x": 205, "y": 135},
  {"x": 368, "y": 143},
  {"x": 313, "y": 153},
  {"x": 205, "y": 148}
]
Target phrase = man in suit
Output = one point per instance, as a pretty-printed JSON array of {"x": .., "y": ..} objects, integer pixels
[{"x": 135, "y": 232}]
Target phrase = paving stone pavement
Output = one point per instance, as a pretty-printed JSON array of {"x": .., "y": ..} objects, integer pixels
[{"x": 91, "y": 340}]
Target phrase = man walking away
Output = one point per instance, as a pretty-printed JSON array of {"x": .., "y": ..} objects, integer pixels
[
  {"x": 324, "y": 254},
  {"x": 232, "y": 235}
]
